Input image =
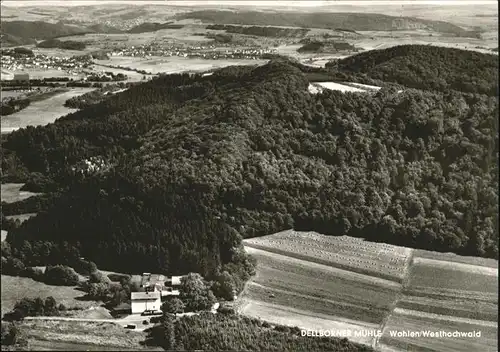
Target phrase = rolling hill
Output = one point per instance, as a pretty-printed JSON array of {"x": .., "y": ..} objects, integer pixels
[
  {"x": 329, "y": 20},
  {"x": 250, "y": 151},
  {"x": 426, "y": 67},
  {"x": 28, "y": 32}
]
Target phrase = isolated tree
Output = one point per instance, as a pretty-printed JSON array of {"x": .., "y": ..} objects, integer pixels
[
  {"x": 98, "y": 290},
  {"x": 98, "y": 277},
  {"x": 60, "y": 275},
  {"x": 10, "y": 334},
  {"x": 224, "y": 287}
]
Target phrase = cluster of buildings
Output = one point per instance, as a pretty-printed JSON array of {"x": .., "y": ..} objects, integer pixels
[
  {"x": 41, "y": 61},
  {"x": 156, "y": 287},
  {"x": 204, "y": 52}
]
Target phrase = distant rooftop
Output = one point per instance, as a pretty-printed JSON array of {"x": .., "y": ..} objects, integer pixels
[
  {"x": 152, "y": 279},
  {"x": 145, "y": 295}
]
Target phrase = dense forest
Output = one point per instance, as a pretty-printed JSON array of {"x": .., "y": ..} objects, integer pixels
[
  {"x": 27, "y": 32},
  {"x": 153, "y": 27},
  {"x": 262, "y": 31},
  {"x": 325, "y": 46},
  {"x": 427, "y": 67},
  {"x": 62, "y": 44},
  {"x": 327, "y": 20},
  {"x": 12, "y": 105},
  {"x": 170, "y": 174},
  {"x": 228, "y": 332}
]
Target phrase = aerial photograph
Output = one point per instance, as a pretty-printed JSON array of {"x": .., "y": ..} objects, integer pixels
[{"x": 245, "y": 175}]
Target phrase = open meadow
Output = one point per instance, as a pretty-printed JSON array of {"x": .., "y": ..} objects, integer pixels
[
  {"x": 41, "y": 112},
  {"x": 11, "y": 192},
  {"x": 80, "y": 336},
  {"x": 14, "y": 288},
  {"x": 173, "y": 64},
  {"x": 314, "y": 281}
]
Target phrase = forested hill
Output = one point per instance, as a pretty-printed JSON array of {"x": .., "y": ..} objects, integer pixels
[
  {"x": 27, "y": 32},
  {"x": 427, "y": 67},
  {"x": 186, "y": 162},
  {"x": 328, "y": 20}
]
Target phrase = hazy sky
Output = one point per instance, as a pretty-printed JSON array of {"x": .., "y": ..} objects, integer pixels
[{"x": 266, "y": 3}]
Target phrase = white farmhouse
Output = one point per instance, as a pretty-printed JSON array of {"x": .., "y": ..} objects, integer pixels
[{"x": 143, "y": 301}]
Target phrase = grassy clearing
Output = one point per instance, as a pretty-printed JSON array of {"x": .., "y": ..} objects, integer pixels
[
  {"x": 88, "y": 335},
  {"x": 338, "y": 86},
  {"x": 4, "y": 235},
  {"x": 21, "y": 217},
  {"x": 11, "y": 192},
  {"x": 353, "y": 254},
  {"x": 424, "y": 277},
  {"x": 42, "y": 112},
  {"x": 15, "y": 288},
  {"x": 403, "y": 322}
]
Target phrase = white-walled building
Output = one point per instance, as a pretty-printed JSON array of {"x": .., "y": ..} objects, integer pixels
[{"x": 143, "y": 301}]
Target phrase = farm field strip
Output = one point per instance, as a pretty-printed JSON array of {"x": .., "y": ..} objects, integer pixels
[
  {"x": 443, "y": 293},
  {"x": 476, "y": 269},
  {"x": 385, "y": 261},
  {"x": 285, "y": 315},
  {"x": 417, "y": 323},
  {"x": 455, "y": 258},
  {"x": 317, "y": 288},
  {"x": 444, "y": 318},
  {"x": 312, "y": 269},
  {"x": 338, "y": 310},
  {"x": 302, "y": 270},
  {"x": 464, "y": 308},
  {"x": 447, "y": 280}
]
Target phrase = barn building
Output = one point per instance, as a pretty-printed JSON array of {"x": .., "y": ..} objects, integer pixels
[{"x": 143, "y": 301}]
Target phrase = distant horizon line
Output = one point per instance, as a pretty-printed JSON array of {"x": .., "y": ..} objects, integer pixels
[{"x": 254, "y": 3}]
